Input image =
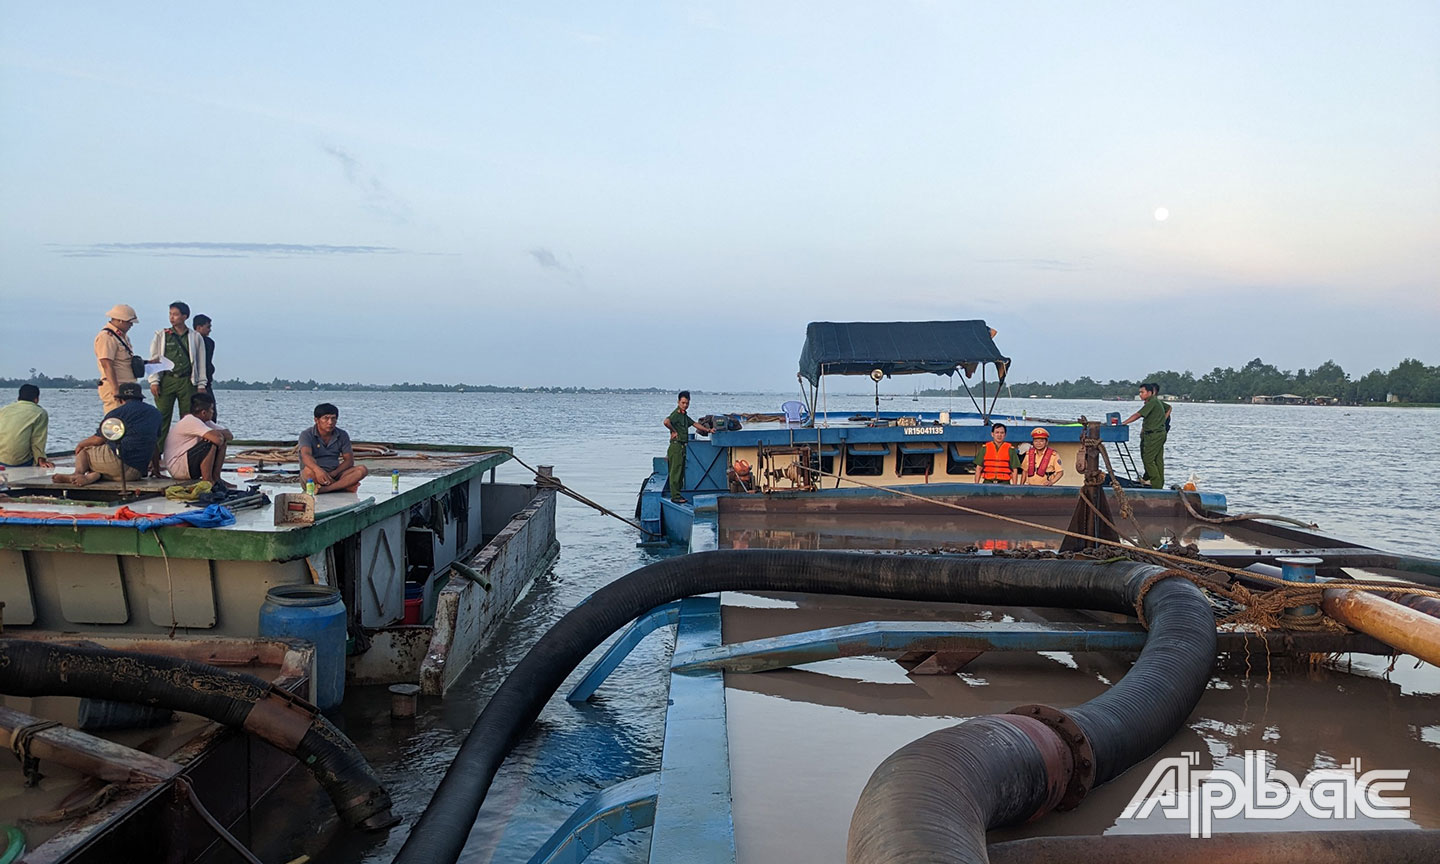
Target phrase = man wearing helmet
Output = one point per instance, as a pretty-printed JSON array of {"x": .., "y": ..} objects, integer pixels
[{"x": 1041, "y": 466}]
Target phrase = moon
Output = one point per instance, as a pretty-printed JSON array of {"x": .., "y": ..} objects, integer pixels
[{"x": 1161, "y": 214}]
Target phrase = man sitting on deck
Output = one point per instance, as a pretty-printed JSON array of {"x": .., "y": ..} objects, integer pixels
[
  {"x": 679, "y": 424},
  {"x": 326, "y": 455},
  {"x": 996, "y": 461},
  {"x": 98, "y": 459},
  {"x": 24, "y": 430},
  {"x": 195, "y": 446},
  {"x": 1041, "y": 465}
]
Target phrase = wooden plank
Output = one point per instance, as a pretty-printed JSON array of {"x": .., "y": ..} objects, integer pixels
[{"x": 87, "y": 754}]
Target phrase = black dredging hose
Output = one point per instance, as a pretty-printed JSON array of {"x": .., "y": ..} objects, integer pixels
[
  {"x": 1126, "y": 724},
  {"x": 35, "y": 668},
  {"x": 933, "y": 799}
]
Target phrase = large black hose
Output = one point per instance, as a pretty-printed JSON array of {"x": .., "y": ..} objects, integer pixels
[
  {"x": 439, "y": 835},
  {"x": 934, "y": 799},
  {"x": 34, "y": 668}
]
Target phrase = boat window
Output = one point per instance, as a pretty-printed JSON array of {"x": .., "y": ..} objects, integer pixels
[
  {"x": 828, "y": 453},
  {"x": 866, "y": 460},
  {"x": 916, "y": 463},
  {"x": 956, "y": 463}
]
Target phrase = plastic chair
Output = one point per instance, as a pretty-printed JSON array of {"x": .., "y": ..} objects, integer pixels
[{"x": 794, "y": 413}]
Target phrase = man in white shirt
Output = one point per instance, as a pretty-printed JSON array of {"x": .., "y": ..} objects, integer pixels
[{"x": 195, "y": 446}]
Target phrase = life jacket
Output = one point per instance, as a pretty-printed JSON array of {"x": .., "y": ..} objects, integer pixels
[
  {"x": 1044, "y": 467},
  {"x": 995, "y": 461}
]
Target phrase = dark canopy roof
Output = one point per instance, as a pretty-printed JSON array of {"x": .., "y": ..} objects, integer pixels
[{"x": 896, "y": 348}]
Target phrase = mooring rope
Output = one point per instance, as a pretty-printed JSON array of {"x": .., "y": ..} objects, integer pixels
[
  {"x": 1290, "y": 594},
  {"x": 550, "y": 481}
]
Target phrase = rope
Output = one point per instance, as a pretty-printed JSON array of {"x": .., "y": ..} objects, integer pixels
[
  {"x": 291, "y": 454},
  {"x": 1226, "y": 520},
  {"x": 1303, "y": 593},
  {"x": 99, "y": 798},
  {"x": 546, "y": 481}
]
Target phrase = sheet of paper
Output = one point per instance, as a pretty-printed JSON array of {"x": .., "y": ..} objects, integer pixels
[{"x": 164, "y": 364}]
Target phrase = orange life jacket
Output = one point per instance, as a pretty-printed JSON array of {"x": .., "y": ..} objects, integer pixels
[
  {"x": 995, "y": 461},
  {"x": 1030, "y": 467}
]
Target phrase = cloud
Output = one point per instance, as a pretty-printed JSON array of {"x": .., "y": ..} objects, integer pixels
[
  {"x": 1038, "y": 263},
  {"x": 378, "y": 197},
  {"x": 189, "y": 249}
]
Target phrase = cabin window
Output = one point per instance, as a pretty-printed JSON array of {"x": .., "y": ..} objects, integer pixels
[
  {"x": 828, "y": 453},
  {"x": 917, "y": 458},
  {"x": 956, "y": 463},
  {"x": 865, "y": 460}
]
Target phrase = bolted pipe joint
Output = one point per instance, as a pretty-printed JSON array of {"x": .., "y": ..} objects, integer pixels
[{"x": 1079, "y": 767}]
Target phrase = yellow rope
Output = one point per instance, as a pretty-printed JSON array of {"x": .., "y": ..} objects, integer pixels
[{"x": 1277, "y": 582}]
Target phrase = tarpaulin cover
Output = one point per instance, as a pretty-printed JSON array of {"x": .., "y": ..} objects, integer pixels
[
  {"x": 896, "y": 348},
  {"x": 214, "y": 516}
]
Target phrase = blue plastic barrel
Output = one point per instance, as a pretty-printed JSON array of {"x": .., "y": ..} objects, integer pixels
[{"x": 316, "y": 614}]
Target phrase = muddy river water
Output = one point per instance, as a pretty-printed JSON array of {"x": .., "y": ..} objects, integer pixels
[{"x": 803, "y": 741}]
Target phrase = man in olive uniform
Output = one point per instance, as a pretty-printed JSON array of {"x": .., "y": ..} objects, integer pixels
[
  {"x": 173, "y": 387},
  {"x": 679, "y": 424},
  {"x": 1155, "y": 421}
]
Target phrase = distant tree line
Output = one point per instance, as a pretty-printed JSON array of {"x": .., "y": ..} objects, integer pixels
[
  {"x": 1411, "y": 381},
  {"x": 70, "y": 382}
]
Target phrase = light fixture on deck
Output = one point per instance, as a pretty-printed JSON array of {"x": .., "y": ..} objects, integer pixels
[
  {"x": 876, "y": 375},
  {"x": 112, "y": 429}
]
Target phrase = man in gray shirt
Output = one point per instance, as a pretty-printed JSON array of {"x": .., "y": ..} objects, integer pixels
[{"x": 326, "y": 455}]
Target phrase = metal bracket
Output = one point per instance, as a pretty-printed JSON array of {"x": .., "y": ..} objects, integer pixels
[
  {"x": 643, "y": 626},
  {"x": 627, "y": 806}
]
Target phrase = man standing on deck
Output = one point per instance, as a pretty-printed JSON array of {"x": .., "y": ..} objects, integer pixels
[
  {"x": 202, "y": 326},
  {"x": 113, "y": 354},
  {"x": 1041, "y": 466},
  {"x": 326, "y": 455},
  {"x": 1155, "y": 422},
  {"x": 184, "y": 348},
  {"x": 997, "y": 461},
  {"x": 24, "y": 430},
  {"x": 679, "y": 424}
]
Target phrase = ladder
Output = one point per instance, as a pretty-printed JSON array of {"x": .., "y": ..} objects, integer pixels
[{"x": 1127, "y": 461}]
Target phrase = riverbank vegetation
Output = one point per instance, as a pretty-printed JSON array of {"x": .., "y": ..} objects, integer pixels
[
  {"x": 1409, "y": 382},
  {"x": 70, "y": 382}
]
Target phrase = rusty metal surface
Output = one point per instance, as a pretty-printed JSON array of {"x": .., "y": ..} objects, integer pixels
[
  {"x": 1401, "y": 627},
  {"x": 281, "y": 719}
]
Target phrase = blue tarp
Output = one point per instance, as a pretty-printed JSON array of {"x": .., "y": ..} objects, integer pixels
[
  {"x": 897, "y": 348},
  {"x": 214, "y": 516}
]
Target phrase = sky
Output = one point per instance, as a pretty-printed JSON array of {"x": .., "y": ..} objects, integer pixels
[{"x": 638, "y": 194}]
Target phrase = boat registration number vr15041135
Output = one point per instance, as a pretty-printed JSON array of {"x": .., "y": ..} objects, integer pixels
[{"x": 924, "y": 430}]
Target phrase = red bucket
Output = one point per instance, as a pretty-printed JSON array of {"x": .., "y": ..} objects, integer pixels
[{"x": 412, "y": 610}]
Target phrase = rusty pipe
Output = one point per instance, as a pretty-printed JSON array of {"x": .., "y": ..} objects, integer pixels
[
  {"x": 1407, "y": 630},
  {"x": 1269, "y": 847},
  {"x": 1429, "y": 605}
]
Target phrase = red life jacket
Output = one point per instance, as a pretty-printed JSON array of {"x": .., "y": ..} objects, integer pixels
[
  {"x": 995, "y": 461},
  {"x": 1030, "y": 468}
]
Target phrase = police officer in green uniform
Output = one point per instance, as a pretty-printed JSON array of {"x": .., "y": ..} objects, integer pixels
[
  {"x": 679, "y": 424},
  {"x": 1155, "y": 423}
]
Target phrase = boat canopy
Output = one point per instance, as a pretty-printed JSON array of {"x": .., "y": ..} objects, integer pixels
[{"x": 897, "y": 348}]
